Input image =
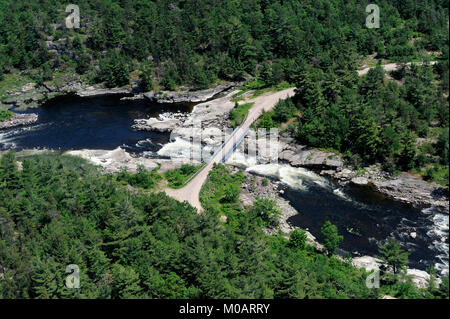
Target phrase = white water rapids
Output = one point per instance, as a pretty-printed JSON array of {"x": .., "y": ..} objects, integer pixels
[{"x": 298, "y": 178}]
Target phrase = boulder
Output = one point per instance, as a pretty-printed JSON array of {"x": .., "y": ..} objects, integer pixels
[
  {"x": 311, "y": 158},
  {"x": 360, "y": 181},
  {"x": 367, "y": 262}
]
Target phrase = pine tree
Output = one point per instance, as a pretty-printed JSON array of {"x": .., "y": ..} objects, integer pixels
[
  {"x": 393, "y": 255},
  {"x": 331, "y": 237}
]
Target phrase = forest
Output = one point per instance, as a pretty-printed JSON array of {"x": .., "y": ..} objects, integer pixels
[
  {"x": 170, "y": 43},
  {"x": 399, "y": 119},
  {"x": 401, "y": 123},
  {"x": 59, "y": 210}
]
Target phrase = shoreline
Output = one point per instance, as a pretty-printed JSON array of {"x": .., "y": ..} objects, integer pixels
[
  {"x": 19, "y": 120},
  {"x": 32, "y": 95},
  {"x": 215, "y": 114},
  {"x": 252, "y": 188}
]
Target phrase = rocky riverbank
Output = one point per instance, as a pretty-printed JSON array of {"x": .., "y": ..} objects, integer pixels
[
  {"x": 19, "y": 120},
  {"x": 256, "y": 186},
  {"x": 210, "y": 120},
  {"x": 113, "y": 161},
  {"x": 33, "y": 95},
  {"x": 168, "y": 97},
  {"x": 404, "y": 187},
  {"x": 419, "y": 278},
  {"x": 211, "y": 114}
]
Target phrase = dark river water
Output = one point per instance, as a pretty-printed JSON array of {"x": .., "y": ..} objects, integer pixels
[
  {"x": 71, "y": 123},
  {"x": 366, "y": 218}
]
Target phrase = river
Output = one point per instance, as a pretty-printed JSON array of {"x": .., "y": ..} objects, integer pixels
[
  {"x": 73, "y": 123},
  {"x": 363, "y": 217}
]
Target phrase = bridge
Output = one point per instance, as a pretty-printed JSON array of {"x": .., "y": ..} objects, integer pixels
[{"x": 191, "y": 191}]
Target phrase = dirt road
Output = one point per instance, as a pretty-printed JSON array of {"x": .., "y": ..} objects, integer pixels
[
  {"x": 390, "y": 67},
  {"x": 191, "y": 191}
]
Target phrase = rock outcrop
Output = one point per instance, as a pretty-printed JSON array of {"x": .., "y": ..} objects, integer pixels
[
  {"x": 167, "y": 97},
  {"x": 302, "y": 156},
  {"x": 405, "y": 187},
  {"x": 165, "y": 122},
  {"x": 113, "y": 161},
  {"x": 19, "y": 120},
  {"x": 95, "y": 91},
  {"x": 419, "y": 278},
  {"x": 411, "y": 189}
]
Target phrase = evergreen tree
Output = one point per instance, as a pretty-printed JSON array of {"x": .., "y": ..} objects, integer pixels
[
  {"x": 297, "y": 238},
  {"x": 393, "y": 255},
  {"x": 331, "y": 237}
]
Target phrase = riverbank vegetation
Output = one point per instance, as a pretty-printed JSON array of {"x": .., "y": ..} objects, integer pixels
[
  {"x": 149, "y": 179},
  {"x": 59, "y": 210},
  {"x": 239, "y": 113},
  {"x": 5, "y": 115},
  {"x": 402, "y": 124},
  {"x": 142, "y": 178},
  {"x": 179, "y": 176},
  {"x": 196, "y": 43}
]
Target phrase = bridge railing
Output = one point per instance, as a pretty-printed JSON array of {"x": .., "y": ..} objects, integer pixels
[{"x": 219, "y": 149}]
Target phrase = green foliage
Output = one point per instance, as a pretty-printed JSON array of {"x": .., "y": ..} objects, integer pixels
[
  {"x": 266, "y": 120},
  {"x": 372, "y": 119},
  {"x": 142, "y": 178},
  {"x": 177, "y": 177},
  {"x": 442, "y": 146},
  {"x": 83, "y": 63},
  {"x": 239, "y": 113},
  {"x": 5, "y": 115},
  {"x": 284, "y": 110},
  {"x": 113, "y": 70},
  {"x": 267, "y": 210},
  {"x": 437, "y": 173},
  {"x": 393, "y": 255},
  {"x": 60, "y": 210},
  {"x": 196, "y": 42},
  {"x": 145, "y": 78},
  {"x": 169, "y": 83},
  {"x": 221, "y": 191},
  {"x": 297, "y": 238},
  {"x": 443, "y": 288},
  {"x": 331, "y": 238}
]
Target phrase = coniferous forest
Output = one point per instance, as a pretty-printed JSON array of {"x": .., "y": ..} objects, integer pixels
[
  {"x": 315, "y": 45},
  {"x": 57, "y": 211},
  {"x": 60, "y": 210},
  {"x": 192, "y": 42}
]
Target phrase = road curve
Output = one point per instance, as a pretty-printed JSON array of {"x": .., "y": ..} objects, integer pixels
[{"x": 191, "y": 191}]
